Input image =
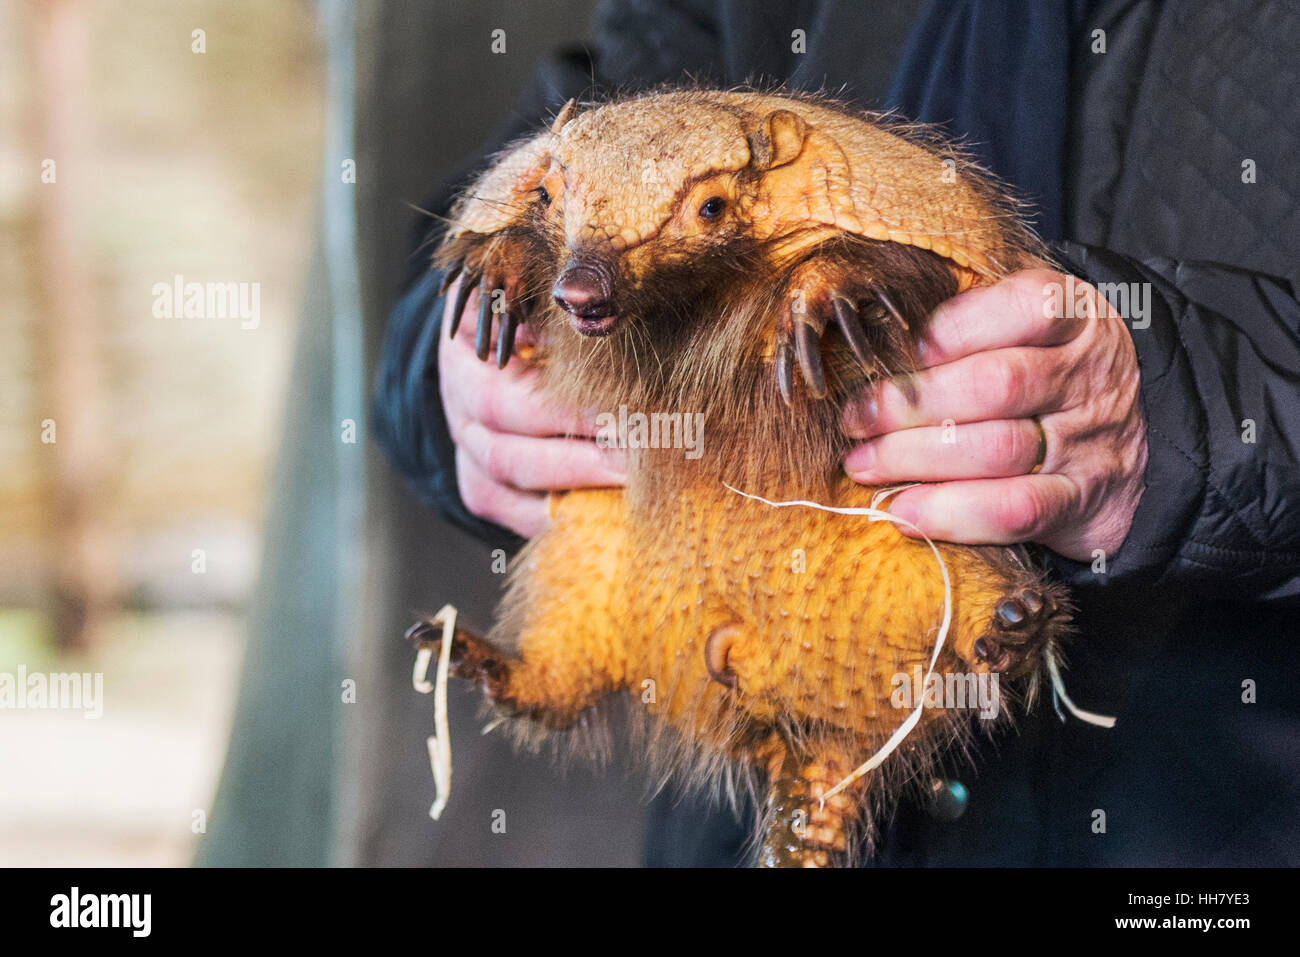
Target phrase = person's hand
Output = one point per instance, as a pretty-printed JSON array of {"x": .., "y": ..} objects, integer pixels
[
  {"x": 997, "y": 357},
  {"x": 511, "y": 447}
]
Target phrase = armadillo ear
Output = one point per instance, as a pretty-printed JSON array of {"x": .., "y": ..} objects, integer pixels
[
  {"x": 567, "y": 112},
  {"x": 777, "y": 139}
]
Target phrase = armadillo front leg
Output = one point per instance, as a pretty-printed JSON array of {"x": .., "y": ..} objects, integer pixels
[
  {"x": 800, "y": 831},
  {"x": 879, "y": 322}
]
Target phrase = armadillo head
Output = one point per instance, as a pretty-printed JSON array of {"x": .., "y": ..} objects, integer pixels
[{"x": 678, "y": 222}]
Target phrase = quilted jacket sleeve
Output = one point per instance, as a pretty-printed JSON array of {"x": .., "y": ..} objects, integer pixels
[{"x": 1219, "y": 352}]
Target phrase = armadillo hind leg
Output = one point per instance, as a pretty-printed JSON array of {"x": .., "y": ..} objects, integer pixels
[
  {"x": 504, "y": 679},
  {"x": 518, "y": 687},
  {"x": 472, "y": 659},
  {"x": 800, "y": 831}
]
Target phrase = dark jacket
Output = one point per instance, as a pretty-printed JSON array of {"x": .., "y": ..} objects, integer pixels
[{"x": 1159, "y": 151}]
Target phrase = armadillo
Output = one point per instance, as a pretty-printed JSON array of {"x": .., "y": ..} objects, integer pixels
[{"x": 755, "y": 261}]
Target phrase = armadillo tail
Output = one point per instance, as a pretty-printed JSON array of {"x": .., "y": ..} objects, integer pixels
[{"x": 800, "y": 829}]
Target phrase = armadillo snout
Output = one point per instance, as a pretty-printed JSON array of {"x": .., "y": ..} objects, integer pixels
[{"x": 585, "y": 290}]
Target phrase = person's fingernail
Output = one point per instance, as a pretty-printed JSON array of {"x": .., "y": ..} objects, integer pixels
[
  {"x": 907, "y": 511},
  {"x": 860, "y": 461},
  {"x": 861, "y": 416}
]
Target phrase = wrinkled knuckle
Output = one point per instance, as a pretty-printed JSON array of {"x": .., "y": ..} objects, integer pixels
[
  {"x": 1055, "y": 327},
  {"x": 1000, "y": 383},
  {"x": 1034, "y": 290},
  {"x": 1094, "y": 495},
  {"x": 1007, "y": 446},
  {"x": 1020, "y": 512},
  {"x": 1079, "y": 388},
  {"x": 1034, "y": 282},
  {"x": 1016, "y": 381}
]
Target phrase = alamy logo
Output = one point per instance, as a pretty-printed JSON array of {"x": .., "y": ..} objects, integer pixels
[
  {"x": 60, "y": 691},
  {"x": 1073, "y": 299},
  {"x": 179, "y": 299},
  {"x": 656, "y": 430},
  {"x": 974, "y": 690},
  {"x": 75, "y": 909}
]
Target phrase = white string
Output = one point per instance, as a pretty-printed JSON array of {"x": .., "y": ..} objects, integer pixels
[
  {"x": 419, "y": 679},
  {"x": 883, "y": 493},
  {"x": 438, "y": 743},
  {"x": 1058, "y": 690},
  {"x": 874, "y": 514}
]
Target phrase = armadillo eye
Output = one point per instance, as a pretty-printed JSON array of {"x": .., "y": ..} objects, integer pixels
[
  {"x": 544, "y": 196},
  {"x": 713, "y": 207}
]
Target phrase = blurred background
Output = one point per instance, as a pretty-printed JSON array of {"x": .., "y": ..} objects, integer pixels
[
  {"x": 165, "y": 161},
  {"x": 191, "y": 506}
]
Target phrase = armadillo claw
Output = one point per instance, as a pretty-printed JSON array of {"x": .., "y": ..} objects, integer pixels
[
  {"x": 483, "y": 334},
  {"x": 468, "y": 282},
  {"x": 883, "y": 298},
  {"x": 850, "y": 326},
  {"x": 785, "y": 370},
  {"x": 807, "y": 349},
  {"x": 449, "y": 277},
  {"x": 506, "y": 338}
]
